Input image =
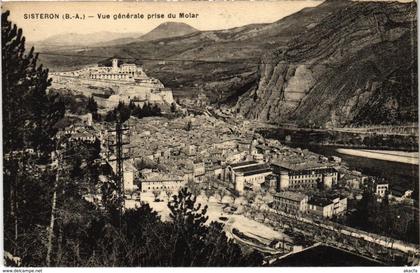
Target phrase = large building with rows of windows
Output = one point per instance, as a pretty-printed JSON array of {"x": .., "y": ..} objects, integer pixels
[{"x": 300, "y": 177}]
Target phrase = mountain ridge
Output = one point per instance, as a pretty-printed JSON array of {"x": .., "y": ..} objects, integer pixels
[
  {"x": 167, "y": 30},
  {"x": 72, "y": 39},
  {"x": 368, "y": 51},
  {"x": 310, "y": 65}
]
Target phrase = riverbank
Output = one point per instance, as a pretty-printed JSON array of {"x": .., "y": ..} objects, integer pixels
[
  {"x": 343, "y": 139},
  {"x": 395, "y": 156}
]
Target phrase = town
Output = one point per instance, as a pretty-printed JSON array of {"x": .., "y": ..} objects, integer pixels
[
  {"x": 292, "y": 197},
  {"x": 276, "y": 134}
]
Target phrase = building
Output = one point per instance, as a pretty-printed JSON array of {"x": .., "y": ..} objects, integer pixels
[
  {"x": 339, "y": 204},
  {"x": 229, "y": 169},
  {"x": 199, "y": 171},
  {"x": 271, "y": 183},
  {"x": 190, "y": 149},
  {"x": 381, "y": 189},
  {"x": 128, "y": 173},
  {"x": 125, "y": 72},
  {"x": 321, "y": 207},
  {"x": 303, "y": 177},
  {"x": 400, "y": 194},
  {"x": 247, "y": 175},
  {"x": 161, "y": 182},
  {"x": 327, "y": 207},
  {"x": 127, "y": 82},
  {"x": 291, "y": 202}
]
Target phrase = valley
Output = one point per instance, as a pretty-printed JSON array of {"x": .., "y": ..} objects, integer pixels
[{"x": 317, "y": 67}]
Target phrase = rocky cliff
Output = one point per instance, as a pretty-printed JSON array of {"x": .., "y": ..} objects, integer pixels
[
  {"x": 337, "y": 64},
  {"x": 357, "y": 65}
]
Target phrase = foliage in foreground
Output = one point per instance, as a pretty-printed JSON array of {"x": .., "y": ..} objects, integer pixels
[{"x": 83, "y": 235}]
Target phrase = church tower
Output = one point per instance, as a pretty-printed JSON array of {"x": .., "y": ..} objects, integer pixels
[{"x": 115, "y": 64}]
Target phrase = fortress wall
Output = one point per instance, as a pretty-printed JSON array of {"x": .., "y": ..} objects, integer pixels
[
  {"x": 167, "y": 96},
  {"x": 138, "y": 91},
  {"x": 125, "y": 90}
]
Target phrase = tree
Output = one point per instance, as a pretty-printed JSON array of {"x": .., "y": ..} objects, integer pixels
[
  {"x": 173, "y": 107},
  {"x": 198, "y": 244},
  {"x": 29, "y": 118},
  {"x": 110, "y": 199},
  {"x": 185, "y": 213},
  {"x": 111, "y": 116},
  {"x": 92, "y": 107},
  {"x": 188, "y": 127},
  {"x": 365, "y": 210},
  {"x": 29, "y": 113},
  {"x": 156, "y": 110},
  {"x": 124, "y": 111}
]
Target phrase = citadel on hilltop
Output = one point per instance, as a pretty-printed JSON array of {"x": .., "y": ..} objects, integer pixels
[{"x": 110, "y": 85}]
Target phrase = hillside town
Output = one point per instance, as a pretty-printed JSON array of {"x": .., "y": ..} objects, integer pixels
[
  {"x": 238, "y": 173},
  {"x": 283, "y": 143}
]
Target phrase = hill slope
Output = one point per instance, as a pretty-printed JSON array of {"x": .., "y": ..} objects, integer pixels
[
  {"x": 339, "y": 63},
  {"x": 240, "y": 50},
  {"x": 357, "y": 66},
  {"x": 167, "y": 30},
  {"x": 77, "y": 39}
]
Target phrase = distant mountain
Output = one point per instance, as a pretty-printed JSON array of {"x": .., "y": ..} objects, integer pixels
[
  {"x": 167, "y": 30},
  {"x": 77, "y": 39},
  {"x": 339, "y": 63}
]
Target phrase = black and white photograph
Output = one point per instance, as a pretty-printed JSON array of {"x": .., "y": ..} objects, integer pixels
[{"x": 210, "y": 134}]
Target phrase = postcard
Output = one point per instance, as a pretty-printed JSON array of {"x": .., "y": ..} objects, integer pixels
[{"x": 210, "y": 134}]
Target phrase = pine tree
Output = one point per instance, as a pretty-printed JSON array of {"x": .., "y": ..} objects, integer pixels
[
  {"x": 29, "y": 112},
  {"x": 29, "y": 118},
  {"x": 173, "y": 107},
  {"x": 92, "y": 107}
]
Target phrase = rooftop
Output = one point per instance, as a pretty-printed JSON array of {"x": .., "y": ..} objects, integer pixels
[
  {"x": 252, "y": 168},
  {"x": 266, "y": 170},
  {"x": 304, "y": 168},
  {"x": 320, "y": 202},
  {"x": 324, "y": 255},
  {"x": 298, "y": 166},
  {"x": 294, "y": 196},
  {"x": 244, "y": 163}
]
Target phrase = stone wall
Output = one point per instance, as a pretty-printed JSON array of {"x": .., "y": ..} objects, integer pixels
[{"x": 151, "y": 92}]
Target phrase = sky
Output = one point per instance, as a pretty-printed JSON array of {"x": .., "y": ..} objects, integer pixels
[{"x": 211, "y": 15}]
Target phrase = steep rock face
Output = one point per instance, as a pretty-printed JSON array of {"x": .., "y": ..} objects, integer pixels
[
  {"x": 356, "y": 66},
  {"x": 239, "y": 50}
]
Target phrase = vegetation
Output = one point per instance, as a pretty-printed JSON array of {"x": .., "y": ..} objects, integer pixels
[
  {"x": 173, "y": 107},
  {"x": 77, "y": 104},
  {"x": 383, "y": 218},
  {"x": 379, "y": 141},
  {"x": 29, "y": 113},
  {"x": 47, "y": 220},
  {"x": 92, "y": 107},
  {"x": 125, "y": 111}
]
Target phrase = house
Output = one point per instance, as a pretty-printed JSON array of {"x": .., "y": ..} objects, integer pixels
[
  {"x": 381, "y": 189},
  {"x": 271, "y": 183},
  {"x": 198, "y": 170},
  {"x": 399, "y": 194},
  {"x": 321, "y": 207},
  {"x": 290, "y": 202},
  {"x": 327, "y": 207}
]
